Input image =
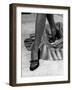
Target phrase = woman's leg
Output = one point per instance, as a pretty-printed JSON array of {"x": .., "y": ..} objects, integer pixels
[
  {"x": 39, "y": 29},
  {"x": 50, "y": 18}
]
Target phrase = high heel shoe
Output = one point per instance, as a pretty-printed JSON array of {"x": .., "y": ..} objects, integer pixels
[{"x": 34, "y": 64}]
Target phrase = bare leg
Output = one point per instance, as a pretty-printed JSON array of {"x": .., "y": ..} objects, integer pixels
[{"x": 39, "y": 29}]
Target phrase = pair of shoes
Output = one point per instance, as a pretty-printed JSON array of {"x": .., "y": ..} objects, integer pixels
[{"x": 34, "y": 64}]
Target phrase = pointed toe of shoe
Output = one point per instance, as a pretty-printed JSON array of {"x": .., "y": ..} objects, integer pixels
[{"x": 34, "y": 65}]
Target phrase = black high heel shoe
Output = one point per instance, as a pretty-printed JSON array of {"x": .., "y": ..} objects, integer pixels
[{"x": 34, "y": 64}]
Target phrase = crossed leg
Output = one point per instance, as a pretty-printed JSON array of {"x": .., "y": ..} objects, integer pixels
[{"x": 39, "y": 29}]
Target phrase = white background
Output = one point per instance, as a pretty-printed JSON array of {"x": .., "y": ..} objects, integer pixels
[{"x": 4, "y": 45}]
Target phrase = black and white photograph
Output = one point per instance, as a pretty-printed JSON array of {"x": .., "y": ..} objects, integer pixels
[{"x": 42, "y": 44}]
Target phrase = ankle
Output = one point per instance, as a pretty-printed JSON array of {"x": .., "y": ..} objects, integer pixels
[{"x": 34, "y": 55}]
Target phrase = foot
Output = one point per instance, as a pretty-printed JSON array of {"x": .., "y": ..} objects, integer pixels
[
  {"x": 35, "y": 62},
  {"x": 51, "y": 36},
  {"x": 34, "y": 65}
]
